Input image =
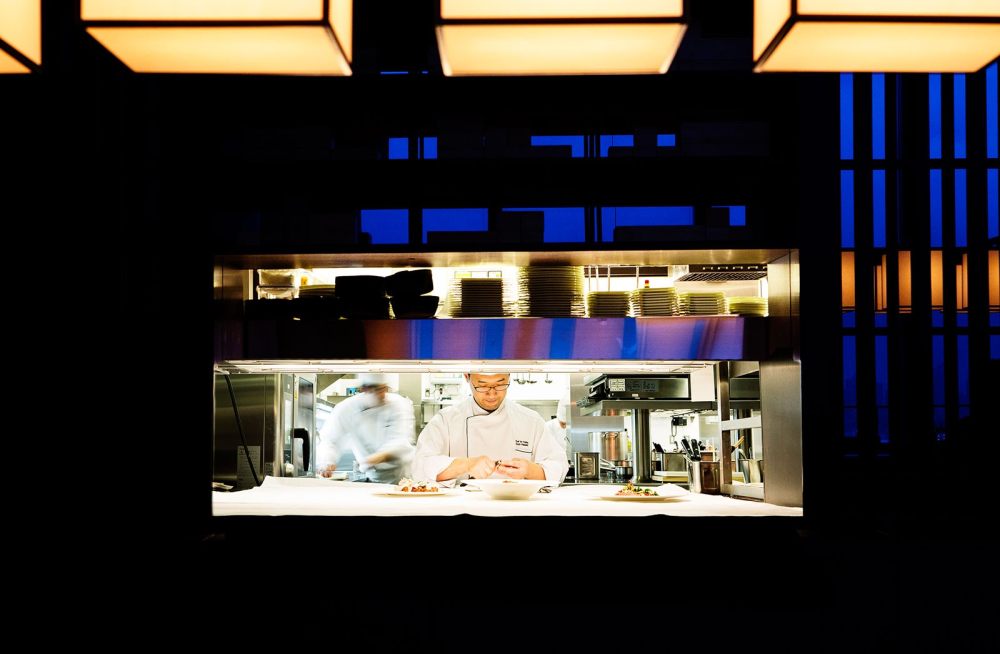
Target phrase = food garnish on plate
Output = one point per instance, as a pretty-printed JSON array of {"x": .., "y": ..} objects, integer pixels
[
  {"x": 409, "y": 486},
  {"x": 631, "y": 490}
]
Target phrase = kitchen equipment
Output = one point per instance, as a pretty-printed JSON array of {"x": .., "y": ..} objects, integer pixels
[
  {"x": 640, "y": 387},
  {"x": 704, "y": 477},
  {"x": 623, "y": 470},
  {"x": 752, "y": 470},
  {"x": 613, "y": 445},
  {"x": 587, "y": 465}
]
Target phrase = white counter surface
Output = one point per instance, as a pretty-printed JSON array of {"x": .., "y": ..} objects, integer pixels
[{"x": 305, "y": 496}]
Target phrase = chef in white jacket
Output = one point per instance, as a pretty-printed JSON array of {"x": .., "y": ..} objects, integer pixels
[
  {"x": 376, "y": 425},
  {"x": 485, "y": 435},
  {"x": 557, "y": 428}
]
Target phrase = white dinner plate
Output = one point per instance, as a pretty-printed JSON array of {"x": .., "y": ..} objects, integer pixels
[
  {"x": 398, "y": 493},
  {"x": 643, "y": 498}
]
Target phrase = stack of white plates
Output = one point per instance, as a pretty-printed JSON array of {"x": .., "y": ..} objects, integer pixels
[
  {"x": 551, "y": 291},
  {"x": 607, "y": 304},
  {"x": 654, "y": 302},
  {"x": 747, "y": 306},
  {"x": 318, "y": 290},
  {"x": 478, "y": 297},
  {"x": 702, "y": 304}
]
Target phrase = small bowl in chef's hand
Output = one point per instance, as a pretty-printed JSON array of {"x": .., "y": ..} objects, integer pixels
[{"x": 510, "y": 489}]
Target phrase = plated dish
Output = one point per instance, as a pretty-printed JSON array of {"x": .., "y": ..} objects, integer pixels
[{"x": 510, "y": 489}]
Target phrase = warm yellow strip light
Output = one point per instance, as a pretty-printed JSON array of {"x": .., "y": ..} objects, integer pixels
[
  {"x": 201, "y": 9},
  {"x": 9, "y": 64},
  {"x": 306, "y": 49},
  {"x": 847, "y": 281},
  {"x": 885, "y": 47},
  {"x": 235, "y": 50},
  {"x": 613, "y": 49},
  {"x": 21, "y": 29},
  {"x": 948, "y": 8},
  {"x": 521, "y": 9}
]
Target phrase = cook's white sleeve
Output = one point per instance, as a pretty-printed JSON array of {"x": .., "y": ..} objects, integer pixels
[
  {"x": 550, "y": 454},
  {"x": 328, "y": 448},
  {"x": 431, "y": 456},
  {"x": 399, "y": 436}
]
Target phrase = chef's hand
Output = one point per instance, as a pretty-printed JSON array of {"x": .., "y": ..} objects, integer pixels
[
  {"x": 481, "y": 467},
  {"x": 328, "y": 471},
  {"x": 514, "y": 468},
  {"x": 378, "y": 457}
]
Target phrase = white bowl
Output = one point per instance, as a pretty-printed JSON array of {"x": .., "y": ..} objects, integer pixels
[{"x": 510, "y": 489}]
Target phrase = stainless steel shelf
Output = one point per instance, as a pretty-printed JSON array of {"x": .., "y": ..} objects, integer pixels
[
  {"x": 670, "y": 338},
  {"x": 651, "y": 405}
]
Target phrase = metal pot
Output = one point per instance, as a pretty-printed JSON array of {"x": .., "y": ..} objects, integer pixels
[
  {"x": 612, "y": 445},
  {"x": 623, "y": 470}
]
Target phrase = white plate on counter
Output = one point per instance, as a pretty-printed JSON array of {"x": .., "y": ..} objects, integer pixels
[
  {"x": 399, "y": 493},
  {"x": 643, "y": 498}
]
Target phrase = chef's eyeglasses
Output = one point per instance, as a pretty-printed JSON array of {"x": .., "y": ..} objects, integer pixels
[{"x": 486, "y": 389}]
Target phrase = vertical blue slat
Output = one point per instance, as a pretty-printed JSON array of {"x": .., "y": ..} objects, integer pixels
[
  {"x": 847, "y": 208},
  {"x": 430, "y": 147},
  {"x": 961, "y": 210},
  {"x": 934, "y": 113},
  {"x": 878, "y": 208},
  {"x": 850, "y": 388},
  {"x": 878, "y": 116},
  {"x": 992, "y": 146},
  {"x": 992, "y": 203},
  {"x": 963, "y": 369},
  {"x": 936, "y": 207},
  {"x": 937, "y": 365},
  {"x": 882, "y": 386},
  {"x": 959, "y": 115},
  {"x": 846, "y": 116},
  {"x": 399, "y": 147},
  {"x": 850, "y": 372}
]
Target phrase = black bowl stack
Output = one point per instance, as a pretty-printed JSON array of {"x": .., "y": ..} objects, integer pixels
[{"x": 406, "y": 290}]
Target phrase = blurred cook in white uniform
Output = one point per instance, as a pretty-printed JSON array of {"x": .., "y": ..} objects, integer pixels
[
  {"x": 485, "y": 435},
  {"x": 376, "y": 425},
  {"x": 557, "y": 428}
]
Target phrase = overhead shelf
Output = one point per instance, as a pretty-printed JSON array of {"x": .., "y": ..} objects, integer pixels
[
  {"x": 651, "y": 405},
  {"x": 612, "y": 340}
]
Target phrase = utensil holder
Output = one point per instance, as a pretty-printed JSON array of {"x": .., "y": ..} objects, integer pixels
[{"x": 704, "y": 477}]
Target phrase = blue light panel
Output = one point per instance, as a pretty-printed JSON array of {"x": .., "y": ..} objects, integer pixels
[
  {"x": 878, "y": 116},
  {"x": 936, "y": 207},
  {"x": 850, "y": 387},
  {"x": 992, "y": 146},
  {"x": 934, "y": 113},
  {"x": 959, "y": 115},
  {"x": 992, "y": 203},
  {"x": 961, "y": 209},
  {"x": 937, "y": 366},
  {"x": 882, "y": 386},
  {"x": 430, "y": 147},
  {"x": 575, "y": 142},
  {"x": 846, "y": 116},
  {"x": 455, "y": 220},
  {"x": 386, "y": 226},
  {"x": 963, "y": 368},
  {"x": 399, "y": 148},
  {"x": 617, "y": 140},
  {"x": 612, "y": 217},
  {"x": 878, "y": 208},
  {"x": 847, "y": 208},
  {"x": 562, "y": 224},
  {"x": 666, "y": 140}
]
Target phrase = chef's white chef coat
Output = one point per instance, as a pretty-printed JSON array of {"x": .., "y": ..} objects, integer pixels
[
  {"x": 560, "y": 434},
  {"x": 467, "y": 430},
  {"x": 388, "y": 428}
]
